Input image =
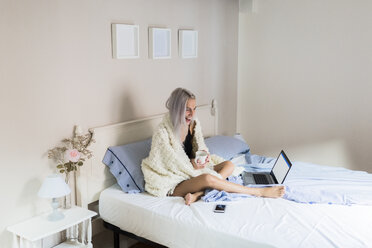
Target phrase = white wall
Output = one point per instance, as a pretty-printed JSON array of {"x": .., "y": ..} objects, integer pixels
[
  {"x": 56, "y": 71},
  {"x": 305, "y": 73}
]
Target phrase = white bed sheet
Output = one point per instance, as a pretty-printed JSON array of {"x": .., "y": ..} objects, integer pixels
[{"x": 251, "y": 222}]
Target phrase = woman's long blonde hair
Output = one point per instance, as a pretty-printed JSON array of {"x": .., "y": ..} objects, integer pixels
[{"x": 176, "y": 104}]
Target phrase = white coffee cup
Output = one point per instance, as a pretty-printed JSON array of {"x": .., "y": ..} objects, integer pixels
[{"x": 201, "y": 156}]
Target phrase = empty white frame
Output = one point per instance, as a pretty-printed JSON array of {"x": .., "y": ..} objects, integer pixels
[
  {"x": 125, "y": 41},
  {"x": 188, "y": 43},
  {"x": 159, "y": 43}
]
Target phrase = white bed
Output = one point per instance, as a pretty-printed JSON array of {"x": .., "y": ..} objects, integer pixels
[{"x": 252, "y": 222}]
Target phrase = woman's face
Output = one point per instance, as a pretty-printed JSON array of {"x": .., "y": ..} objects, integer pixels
[{"x": 190, "y": 110}]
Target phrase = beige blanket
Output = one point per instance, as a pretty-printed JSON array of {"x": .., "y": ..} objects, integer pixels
[{"x": 168, "y": 165}]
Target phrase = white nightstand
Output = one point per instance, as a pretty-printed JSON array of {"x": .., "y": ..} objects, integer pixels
[{"x": 31, "y": 233}]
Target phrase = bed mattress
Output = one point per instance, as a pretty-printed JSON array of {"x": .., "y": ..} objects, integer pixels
[{"x": 251, "y": 222}]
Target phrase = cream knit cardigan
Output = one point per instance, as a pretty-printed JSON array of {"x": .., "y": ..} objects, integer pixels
[{"x": 168, "y": 165}]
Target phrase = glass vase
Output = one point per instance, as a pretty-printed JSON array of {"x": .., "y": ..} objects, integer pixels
[{"x": 66, "y": 201}]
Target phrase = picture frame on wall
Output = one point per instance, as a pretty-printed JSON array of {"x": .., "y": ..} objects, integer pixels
[
  {"x": 188, "y": 43},
  {"x": 125, "y": 41},
  {"x": 159, "y": 43}
]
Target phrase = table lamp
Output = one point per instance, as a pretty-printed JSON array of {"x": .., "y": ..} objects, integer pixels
[{"x": 54, "y": 187}]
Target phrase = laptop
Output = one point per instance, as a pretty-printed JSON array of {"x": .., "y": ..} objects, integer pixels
[{"x": 277, "y": 174}]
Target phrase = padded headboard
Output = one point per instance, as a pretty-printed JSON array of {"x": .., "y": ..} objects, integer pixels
[{"x": 94, "y": 176}]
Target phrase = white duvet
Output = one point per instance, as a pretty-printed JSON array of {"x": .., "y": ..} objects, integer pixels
[{"x": 315, "y": 184}]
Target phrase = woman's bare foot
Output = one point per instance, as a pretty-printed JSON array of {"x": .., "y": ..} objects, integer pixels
[
  {"x": 190, "y": 198},
  {"x": 272, "y": 192}
]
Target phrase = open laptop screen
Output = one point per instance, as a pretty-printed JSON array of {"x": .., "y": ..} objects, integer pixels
[{"x": 281, "y": 167}]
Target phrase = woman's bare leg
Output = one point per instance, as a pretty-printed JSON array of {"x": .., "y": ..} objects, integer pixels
[
  {"x": 202, "y": 182},
  {"x": 224, "y": 169}
]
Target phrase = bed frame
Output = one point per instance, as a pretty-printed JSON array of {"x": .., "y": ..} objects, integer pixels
[{"x": 94, "y": 176}]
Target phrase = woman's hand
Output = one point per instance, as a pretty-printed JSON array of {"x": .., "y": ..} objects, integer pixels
[
  {"x": 208, "y": 159},
  {"x": 197, "y": 163}
]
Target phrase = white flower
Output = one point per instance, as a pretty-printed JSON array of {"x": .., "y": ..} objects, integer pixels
[{"x": 72, "y": 155}]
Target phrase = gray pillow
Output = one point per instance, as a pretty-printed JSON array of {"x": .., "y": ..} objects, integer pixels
[
  {"x": 227, "y": 147},
  {"x": 124, "y": 163}
]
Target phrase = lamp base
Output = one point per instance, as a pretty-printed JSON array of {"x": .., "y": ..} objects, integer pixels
[{"x": 55, "y": 215}]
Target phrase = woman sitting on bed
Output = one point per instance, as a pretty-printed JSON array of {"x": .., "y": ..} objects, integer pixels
[{"x": 171, "y": 169}]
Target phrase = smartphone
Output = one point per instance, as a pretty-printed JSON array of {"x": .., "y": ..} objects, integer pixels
[{"x": 220, "y": 208}]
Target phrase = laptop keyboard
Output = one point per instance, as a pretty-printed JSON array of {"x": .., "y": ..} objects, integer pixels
[{"x": 260, "y": 179}]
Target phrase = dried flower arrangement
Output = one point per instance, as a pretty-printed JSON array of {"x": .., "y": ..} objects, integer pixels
[{"x": 72, "y": 153}]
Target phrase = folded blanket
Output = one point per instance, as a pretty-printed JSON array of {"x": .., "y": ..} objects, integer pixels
[{"x": 310, "y": 183}]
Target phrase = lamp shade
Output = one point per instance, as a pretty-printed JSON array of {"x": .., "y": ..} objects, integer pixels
[{"x": 53, "y": 187}]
